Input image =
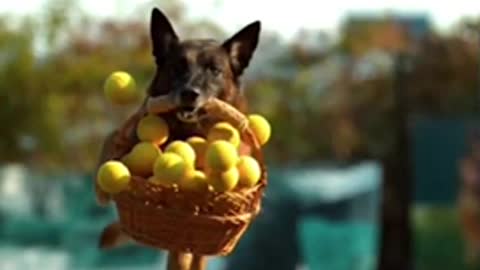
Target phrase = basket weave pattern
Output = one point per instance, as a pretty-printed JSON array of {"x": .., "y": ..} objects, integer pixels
[
  {"x": 207, "y": 224},
  {"x": 203, "y": 223}
]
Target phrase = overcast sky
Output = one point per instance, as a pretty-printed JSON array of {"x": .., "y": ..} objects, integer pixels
[{"x": 285, "y": 17}]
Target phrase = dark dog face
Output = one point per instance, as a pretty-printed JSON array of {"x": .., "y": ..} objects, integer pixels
[{"x": 192, "y": 71}]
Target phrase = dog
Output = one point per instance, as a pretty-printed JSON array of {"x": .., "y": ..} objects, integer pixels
[{"x": 190, "y": 72}]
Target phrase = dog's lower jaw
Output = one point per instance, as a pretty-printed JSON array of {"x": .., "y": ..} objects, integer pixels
[
  {"x": 191, "y": 116},
  {"x": 187, "y": 117}
]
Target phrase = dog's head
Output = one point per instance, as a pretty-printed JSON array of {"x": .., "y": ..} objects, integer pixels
[{"x": 191, "y": 71}]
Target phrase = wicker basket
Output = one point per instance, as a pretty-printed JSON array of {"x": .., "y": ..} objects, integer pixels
[{"x": 203, "y": 223}]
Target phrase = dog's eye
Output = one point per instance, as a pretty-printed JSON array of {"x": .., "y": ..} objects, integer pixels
[{"x": 214, "y": 69}]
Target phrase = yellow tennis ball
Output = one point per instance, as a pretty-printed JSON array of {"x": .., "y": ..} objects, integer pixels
[
  {"x": 223, "y": 180},
  {"x": 113, "y": 176},
  {"x": 260, "y": 127},
  {"x": 249, "y": 171},
  {"x": 141, "y": 158},
  {"x": 199, "y": 145},
  {"x": 224, "y": 131},
  {"x": 152, "y": 128},
  {"x": 195, "y": 181},
  {"x": 221, "y": 156},
  {"x": 170, "y": 168},
  {"x": 120, "y": 88},
  {"x": 182, "y": 149}
]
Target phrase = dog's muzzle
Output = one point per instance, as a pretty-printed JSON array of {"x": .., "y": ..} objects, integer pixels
[
  {"x": 166, "y": 103},
  {"x": 190, "y": 105}
]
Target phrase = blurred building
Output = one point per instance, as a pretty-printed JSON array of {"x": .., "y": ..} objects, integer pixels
[
  {"x": 372, "y": 40},
  {"x": 391, "y": 33}
]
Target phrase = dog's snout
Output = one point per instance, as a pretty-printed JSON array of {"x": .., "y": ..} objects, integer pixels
[{"x": 188, "y": 96}]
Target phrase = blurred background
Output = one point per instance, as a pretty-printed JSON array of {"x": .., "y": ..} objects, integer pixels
[{"x": 375, "y": 156}]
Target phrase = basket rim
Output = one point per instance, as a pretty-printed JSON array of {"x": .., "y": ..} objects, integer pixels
[
  {"x": 132, "y": 195},
  {"x": 174, "y": 188}
]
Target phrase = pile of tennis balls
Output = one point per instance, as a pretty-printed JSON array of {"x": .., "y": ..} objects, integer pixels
[{"x": 198, "y": 164}]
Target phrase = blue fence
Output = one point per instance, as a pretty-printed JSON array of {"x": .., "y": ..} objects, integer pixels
[{"x": 438, "y": 147}]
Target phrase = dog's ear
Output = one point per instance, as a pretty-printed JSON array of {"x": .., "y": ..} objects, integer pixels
[
  {"x": 162, "y": 34},
  {"x": 240, "y": 47}
]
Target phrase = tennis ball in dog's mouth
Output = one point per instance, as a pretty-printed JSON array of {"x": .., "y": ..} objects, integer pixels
[
  {"x": 224, "y": 131},
  {"x": 249, "y": 171},
  {"x": 260, "y": 127},
  {"x": 221, "y": 156},
  {"x": 170, "y": 168},
  {"x": 153, "y": 128},
  {"x": 141, "y": 158},
  {"x": 113, "y": 176},
  {"x": 182, "y": 149},
  {"x": 120, "y": 88},
  {"x": 223, "y": 180}
]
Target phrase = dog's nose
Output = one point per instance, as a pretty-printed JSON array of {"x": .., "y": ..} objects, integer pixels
[{"x": 189, "y": 95}]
